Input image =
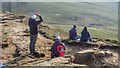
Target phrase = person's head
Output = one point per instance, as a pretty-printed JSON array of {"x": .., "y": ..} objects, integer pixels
[
  {"x": 57, "y": 38},
  {"x": 85, "y": 28},
  {"x": 74, "y": 26},
  {"x": 33, "y": 16}
]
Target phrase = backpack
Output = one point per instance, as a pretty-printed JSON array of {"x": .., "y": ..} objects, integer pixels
[{"x": 60, "y": 50}]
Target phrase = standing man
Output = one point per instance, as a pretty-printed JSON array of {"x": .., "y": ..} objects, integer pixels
[{"x": 34, "y": 32}]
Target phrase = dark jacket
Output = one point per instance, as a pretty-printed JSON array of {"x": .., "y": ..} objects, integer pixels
[
  {"x": 33, "y": 25},
  {"x": 72, "y": 33},
  {"x": 84, "y": 36},
  {"x": 54, "y": 47}
]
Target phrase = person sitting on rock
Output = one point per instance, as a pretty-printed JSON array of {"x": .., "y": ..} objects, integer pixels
[
  {"x": 73, "y": 33},
  {"x": 58, "y": 48},
  {"x": 85, "y": 35},
  {"x": 34, "y": 32}
]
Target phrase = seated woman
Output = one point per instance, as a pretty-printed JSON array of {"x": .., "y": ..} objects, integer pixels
[
  {"x": 85, "y": 35},
  {"x": 73, "y": 33}
]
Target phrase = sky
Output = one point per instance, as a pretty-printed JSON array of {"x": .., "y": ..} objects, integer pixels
[{"x": 60, "y": 0}]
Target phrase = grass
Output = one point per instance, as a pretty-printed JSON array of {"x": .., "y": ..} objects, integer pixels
[
  {"x": 104, "y": 13},
  {"x": 95, "y": 32},
  {"x": 98, "y": 13},
  {"x": 50, "y": 31}
]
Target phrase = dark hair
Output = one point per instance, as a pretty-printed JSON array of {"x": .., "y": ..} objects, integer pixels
[
  {"x": 74, "y": 26},
  {"x": 85, "y": 28}
]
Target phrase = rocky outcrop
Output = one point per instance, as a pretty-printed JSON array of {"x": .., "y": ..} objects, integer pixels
[
  {"x": 59, "y": 61},
  {"x": 15, "y": 40},
  {"x": 95, "y": 57},
  {"x": 84, "y": 57},
  {"x": 15, "y": 46}
]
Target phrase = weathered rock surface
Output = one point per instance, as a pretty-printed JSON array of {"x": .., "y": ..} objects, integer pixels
[
  {"x": 96, "y": 57},
  {"x": 84, "y": 57},
  {"x": 15, "y": 40}
]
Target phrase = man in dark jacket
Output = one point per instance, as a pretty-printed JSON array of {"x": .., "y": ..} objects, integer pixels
[
  {"x": 54, "y": 47},
  {"x": 73, "y": 33},
  {"x": 34, "y": 31},
  {"x": 85, "y": 35}
]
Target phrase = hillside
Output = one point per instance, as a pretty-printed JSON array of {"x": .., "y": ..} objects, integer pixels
[
  {"x": 102, "y": 16},
  {"x": 15, "y": 44},
  {"x": 95, "y": 14}
]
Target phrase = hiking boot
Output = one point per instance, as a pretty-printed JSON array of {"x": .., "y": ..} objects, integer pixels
[
  {"x": 30, "y": 53},
  {"x": 38, "y": 55},
  {"x": 35, "y": 53}
]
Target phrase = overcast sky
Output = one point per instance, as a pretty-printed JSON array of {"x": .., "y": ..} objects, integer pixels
[{"x": 61, "y": 0}]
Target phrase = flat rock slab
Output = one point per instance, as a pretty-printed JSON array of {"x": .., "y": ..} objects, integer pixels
[
  {"x": 84, "y": 57},
  {"x": 59, "y": 61}
]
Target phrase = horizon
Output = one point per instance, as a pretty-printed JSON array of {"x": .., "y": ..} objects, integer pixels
[{"x": 60, "y": 1}]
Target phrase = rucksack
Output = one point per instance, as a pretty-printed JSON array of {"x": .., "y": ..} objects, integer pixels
[{"x": 60, "y": 50}]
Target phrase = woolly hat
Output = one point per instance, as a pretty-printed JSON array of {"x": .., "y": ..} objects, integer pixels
[
  {"x": 33, "y": 16},
  {"x": 57, "y": 38}
]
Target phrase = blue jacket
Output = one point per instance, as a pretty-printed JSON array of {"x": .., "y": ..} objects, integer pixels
[
  {"x": 33, "y": 25},
  {"x": 72, "y": 33},
  {"x": 84, "y": 36}
]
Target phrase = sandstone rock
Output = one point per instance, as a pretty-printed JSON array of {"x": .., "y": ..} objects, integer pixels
[
  {"x": 71, "y": 58},
  {"x": 4, "y": 45},
  {"x": 19, "y": 36},
  {"x": 84, "y": 57},
  {"x": 3, "y": 22},
  {"x": 56, "y": 61}
]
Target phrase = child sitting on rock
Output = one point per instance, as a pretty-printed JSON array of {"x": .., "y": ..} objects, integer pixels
[{"x": 58, "y": 48}]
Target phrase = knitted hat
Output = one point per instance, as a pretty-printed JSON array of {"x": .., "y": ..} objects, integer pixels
[
  {"x": 33, "y": 16},
  {"x": 57, "y": 38}
]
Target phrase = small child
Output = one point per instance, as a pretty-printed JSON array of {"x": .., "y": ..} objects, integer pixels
[{"x": 58, "y": 48}]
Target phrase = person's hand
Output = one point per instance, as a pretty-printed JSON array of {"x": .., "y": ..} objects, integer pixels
[{"x": 37, "y": 14}]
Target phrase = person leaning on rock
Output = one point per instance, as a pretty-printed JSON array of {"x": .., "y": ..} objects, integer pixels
[{"x": 34, "y": 32}]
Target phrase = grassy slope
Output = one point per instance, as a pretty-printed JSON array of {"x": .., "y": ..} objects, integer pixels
[
  {"x": 96, "y": 33},
  {"x": 98, "y": 13}
]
